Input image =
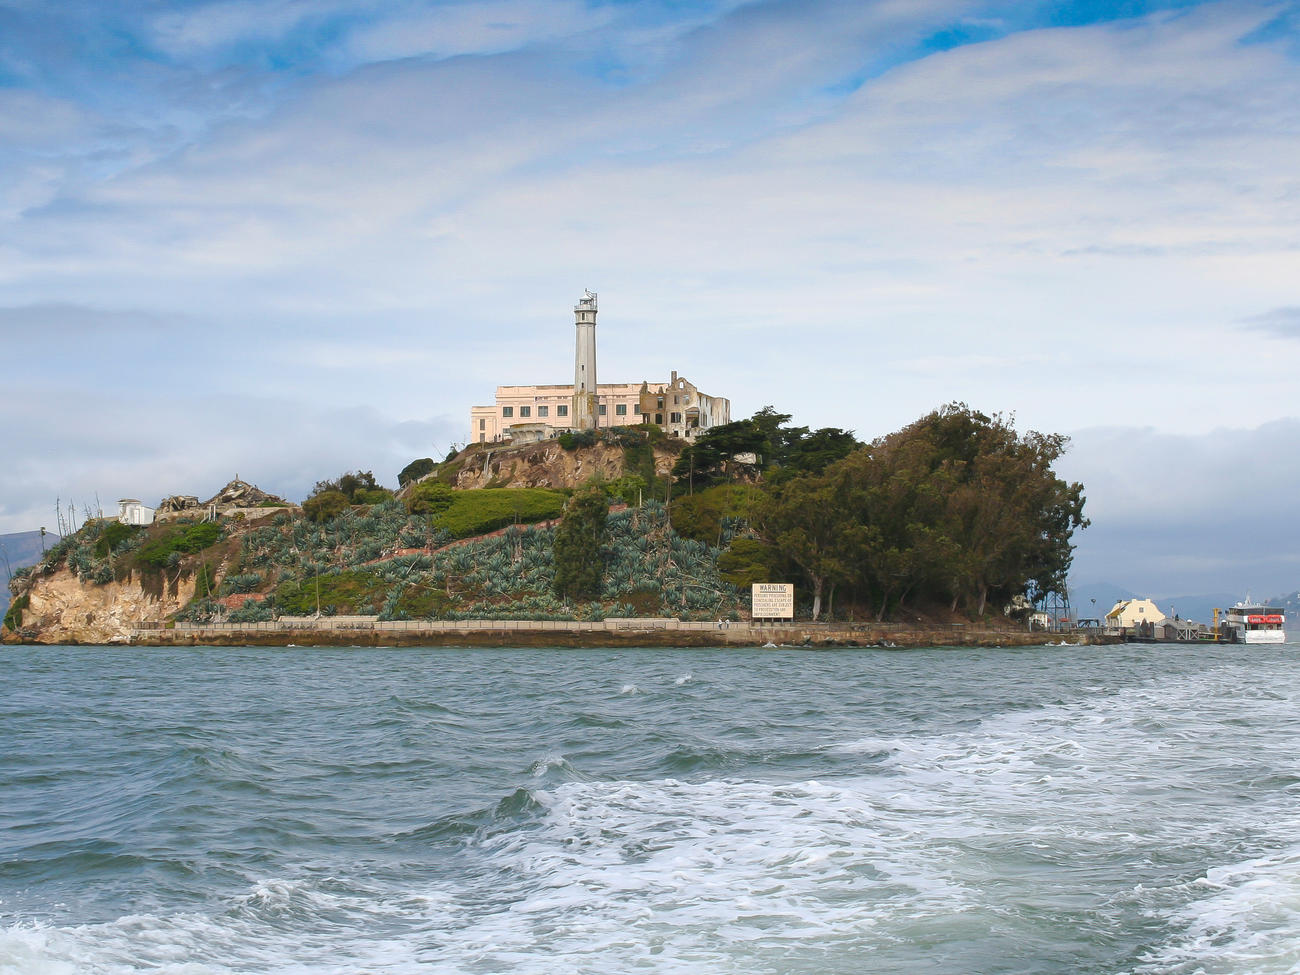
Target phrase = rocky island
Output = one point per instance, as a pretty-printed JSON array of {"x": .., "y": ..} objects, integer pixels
[{"x": 627, "y": 534}]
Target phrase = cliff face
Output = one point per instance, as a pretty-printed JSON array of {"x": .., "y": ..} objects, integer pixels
[
  {"x": 63, "y": 609},
  {"x": 549, "y": 465}
]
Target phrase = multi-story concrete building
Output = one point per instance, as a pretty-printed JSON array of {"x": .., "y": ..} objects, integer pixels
[
  {"x": 540, "y": 411},
  {"x": 617, "y": 405},
  {"x": 681, "y": 409}
]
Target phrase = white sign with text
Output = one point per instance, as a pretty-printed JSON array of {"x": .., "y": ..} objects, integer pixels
[{"x": 773, "y": 601}]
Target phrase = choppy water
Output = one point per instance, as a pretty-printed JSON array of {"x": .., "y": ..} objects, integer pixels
[{"x": 1081, "y": 810}]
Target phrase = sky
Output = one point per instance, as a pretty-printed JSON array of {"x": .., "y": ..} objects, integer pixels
[{"x": 288, "y": 238}]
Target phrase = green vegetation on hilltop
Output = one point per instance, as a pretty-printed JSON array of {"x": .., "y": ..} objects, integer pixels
[
  {"x": 645, "y": 568},
  {"x": 176, "y": 539},
  {"x": 462, "y": 514}
]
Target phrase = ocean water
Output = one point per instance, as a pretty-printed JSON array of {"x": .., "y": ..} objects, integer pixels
[{"x": 1131, "y": 809}]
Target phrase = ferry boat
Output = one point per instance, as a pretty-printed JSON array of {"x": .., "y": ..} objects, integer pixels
[{"x": 1256, "y": 623}]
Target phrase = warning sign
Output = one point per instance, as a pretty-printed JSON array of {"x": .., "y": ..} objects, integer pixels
[{"x": 773, "y": 601}]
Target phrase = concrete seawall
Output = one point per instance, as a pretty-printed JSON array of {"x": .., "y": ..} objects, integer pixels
[{"x": 368, "y": 631}]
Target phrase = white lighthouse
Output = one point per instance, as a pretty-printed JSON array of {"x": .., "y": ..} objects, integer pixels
[{"x": 586, "y": 412}]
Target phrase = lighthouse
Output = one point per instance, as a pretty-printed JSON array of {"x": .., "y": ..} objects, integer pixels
[{"x": 586, "y": 411}]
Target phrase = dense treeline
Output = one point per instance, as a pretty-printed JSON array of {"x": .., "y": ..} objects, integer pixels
[{"x": 954, "y": 509}]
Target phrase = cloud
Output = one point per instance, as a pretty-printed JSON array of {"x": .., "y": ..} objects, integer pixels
[
  {"x": 1189, "y": 513},
  {"x": 249, "y": 253},
  {"x": 481, "y": 27},
  {"x": 1279, "y": 322},
  {"x": 200, "y": 29},
  {"x": 133, "y": 446}
]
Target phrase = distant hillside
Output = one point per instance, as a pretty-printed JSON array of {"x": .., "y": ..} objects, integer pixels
[
  {"x": 17, "y": 550},
  {"x": 1199, "y": 607},
  {"x": 1291, "y": 603}
]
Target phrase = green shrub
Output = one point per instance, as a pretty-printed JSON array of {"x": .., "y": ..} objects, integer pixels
[
  {"x": 416, "y": 469},
  {"x": 486, "y": 510},
  {"x": 14, "y": 617},
  {"x": 702, "y": 515},
  {"x": 325, "y": 505},
  {"x": 346, "y": 593},
  {"x": 371, "y": 496},
  {"x": 251, "y": 612},
  {"x": 204, "y": 583},
  {"x": 242, "y": 583},
  {"x": 579, "y": 563},
  {"x": 573, "y": 439},
  {"x": 112, "y": 537},
  {"x": 188, "y": 539},
  {"x": 746, "y": 562},
  {"x": 429, "y": 498}
]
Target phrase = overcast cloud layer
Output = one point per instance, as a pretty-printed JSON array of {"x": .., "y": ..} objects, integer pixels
[{"x": 283, "y": 238}]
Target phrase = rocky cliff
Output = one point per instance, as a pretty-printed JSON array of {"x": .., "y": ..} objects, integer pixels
[
  {"x": 547, "y": 464},
  {"x": 61, "y": 608}
]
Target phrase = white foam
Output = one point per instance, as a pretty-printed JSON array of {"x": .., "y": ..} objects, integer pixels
[
  {"x": 617, "y": 867},
  {"x": 283, "y": 926},
  {"x": 1247, "y": 920},
  {"x": 553, "y": 762}
]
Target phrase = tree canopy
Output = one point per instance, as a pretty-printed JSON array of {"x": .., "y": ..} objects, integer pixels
[
  {"x": 579, "y": 539},
  {"x": 956, "y": 506}
]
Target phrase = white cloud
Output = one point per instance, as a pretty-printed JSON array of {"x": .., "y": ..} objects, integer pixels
[
  {"x": 1188, "y": 513},
  {"x": 1280, "y": 322},
  {"x": 195, "y": 30},
  {"x": 479, "y": 27},
  {"x": 1078, "y": 225}
]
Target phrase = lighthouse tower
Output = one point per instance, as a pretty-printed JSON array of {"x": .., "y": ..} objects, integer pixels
[{"x": 586, "y": 413}]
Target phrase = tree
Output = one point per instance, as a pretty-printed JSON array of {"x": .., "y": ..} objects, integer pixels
[
  {"x": 415, "y": 470},
  {"x": 803, "y": 522},
  {"x": 348, "y": 484},
  {"x": 712, "y": 458},
  {"x": 704, "y": 514},
  {"x": 956, "y": 506},
  {"x": 579, "y": 540}
]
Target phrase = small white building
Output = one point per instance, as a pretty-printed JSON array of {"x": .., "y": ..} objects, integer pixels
[
  {"x": 131, "y": 512},
  {"x": 1132, "y": 612}
]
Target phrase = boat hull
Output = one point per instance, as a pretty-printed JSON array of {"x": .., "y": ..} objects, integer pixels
[{"x": 1264, "y": 636}]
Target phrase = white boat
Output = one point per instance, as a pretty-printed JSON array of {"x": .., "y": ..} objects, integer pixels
[{"x": 1256, "y": 623}]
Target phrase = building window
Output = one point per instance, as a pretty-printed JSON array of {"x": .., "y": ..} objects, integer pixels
[
  {"x": 482, "y": 437},
  {"x": 525, "y": 411},
  {"x": 507, "y": 411},
  {"x": 482, "y": 424},
  {"x": 603, "y": 409},
  {"x": 659, "y": 419},
  {"x": 562, "y": 410},
  {"x": 660, "y": 402},
  {"x": 621, "y": 409},
  {"x": 677, "y": 399},
  {"x": 674, "y": 418},
  {"x": 543, "y": 411}
]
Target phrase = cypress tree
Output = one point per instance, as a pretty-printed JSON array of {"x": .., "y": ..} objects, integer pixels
[{"x": 579, "y": 538}]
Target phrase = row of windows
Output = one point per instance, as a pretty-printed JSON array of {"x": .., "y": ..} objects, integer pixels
[{"x": 620, "y": 409}]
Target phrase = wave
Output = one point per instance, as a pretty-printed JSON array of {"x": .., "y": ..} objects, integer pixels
[{"x": 1243, "y": 917}]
